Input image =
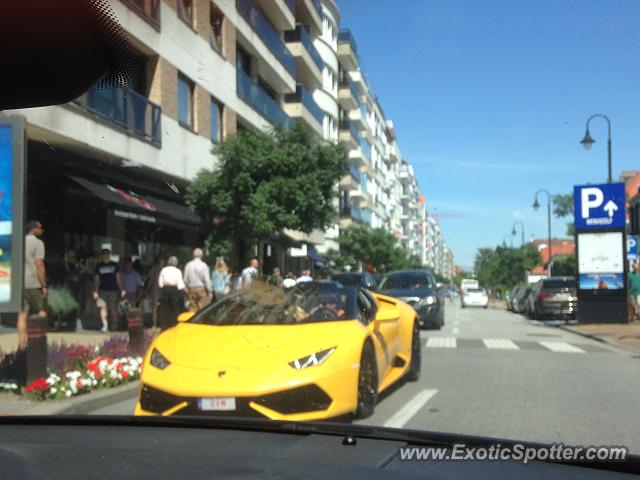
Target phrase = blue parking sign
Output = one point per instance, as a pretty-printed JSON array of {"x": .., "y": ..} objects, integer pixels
[
  {"x": 599, "y": 207},
  {"x": 632, "y": 247}
]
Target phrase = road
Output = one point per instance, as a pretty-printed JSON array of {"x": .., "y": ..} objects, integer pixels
[{"x": 495, "y": 373}]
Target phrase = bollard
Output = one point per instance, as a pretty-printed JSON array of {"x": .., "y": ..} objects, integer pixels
[
  {"x": 135, "y": 326},
  {"x": 36, "y": 348}
]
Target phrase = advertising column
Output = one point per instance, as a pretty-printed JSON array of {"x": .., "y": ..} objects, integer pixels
[
  {"x": 601, "y": 250},
  {"x": 11, "y": 212}
]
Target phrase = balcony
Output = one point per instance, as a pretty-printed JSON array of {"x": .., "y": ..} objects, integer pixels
[
  {"x": 257, "y": 97},
  {"x": 357, "y": 119},
  {"x": 309, "y": 61},
  {"x": 347, "y": 50},
  {"x": 351, "y": 179},
  {"x": 249, "y": 10},
  {"x": 349, "y": 134},
  {"x": 301, "y": 105},
  {"x": 281, "y": 13},
  {"x": 126, "y": 109},
  {"x": 148, "y": 10},
  {"x": 366, "y": 148},
  {"x": 348, "y": 95},
  {"x": 309, "y": 12}
]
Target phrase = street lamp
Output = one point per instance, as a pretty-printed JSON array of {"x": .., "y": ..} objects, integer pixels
[
  {"x": 505, "y": 243},
  {"x": 513, "y": 230},
  {"x": 588, "y": 141},
  {"x": 536, "y": 206}
]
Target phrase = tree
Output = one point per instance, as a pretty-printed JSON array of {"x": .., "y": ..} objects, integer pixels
[
  {"x": 373, "y": 248},
  {"x": 503, "y": 268},
  {"x": 563, "y": 207},
  {"x": 266, "y": 182},
  {"x": 564, "y": 265}
]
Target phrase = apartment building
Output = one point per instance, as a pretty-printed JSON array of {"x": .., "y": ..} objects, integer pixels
[{"x": 201, "y": 71}]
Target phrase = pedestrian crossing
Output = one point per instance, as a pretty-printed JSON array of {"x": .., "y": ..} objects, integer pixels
[{"x": 506, "y": 344}]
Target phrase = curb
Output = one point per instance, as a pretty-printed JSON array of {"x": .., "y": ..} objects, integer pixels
[
  {"x": 600, "y": 339},
  {"x": 85, "y": 404}
]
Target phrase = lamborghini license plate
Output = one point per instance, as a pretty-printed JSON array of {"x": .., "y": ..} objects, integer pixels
[{"x": 219, "y": 404}]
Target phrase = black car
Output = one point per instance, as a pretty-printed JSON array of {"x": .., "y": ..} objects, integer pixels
[
  {"x": 552, "y": 298},
  {"x": 511, "y": 297},
  {"x": 418, "y": 289},
  {"x": 356, "y": 280}
]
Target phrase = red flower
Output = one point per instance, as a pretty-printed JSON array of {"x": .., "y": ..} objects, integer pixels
[
  {"x": 40, "y": 384},
  {"x": 124, "y": 374}
]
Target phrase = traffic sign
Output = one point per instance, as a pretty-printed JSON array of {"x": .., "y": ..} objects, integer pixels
[
  {"x": 599, "y": 207},
  {"x": 632, "y": 247}
]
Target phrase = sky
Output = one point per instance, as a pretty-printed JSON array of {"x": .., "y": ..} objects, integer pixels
[{"x": 490, "y": 99}]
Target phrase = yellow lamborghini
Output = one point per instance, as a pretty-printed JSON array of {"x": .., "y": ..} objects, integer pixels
[{"x": 313, "y": 352}]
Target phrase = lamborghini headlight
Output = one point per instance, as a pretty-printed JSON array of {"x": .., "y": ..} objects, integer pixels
[
  {"x": 312, "y": 360},
  {"x": 158, "y": 360}
]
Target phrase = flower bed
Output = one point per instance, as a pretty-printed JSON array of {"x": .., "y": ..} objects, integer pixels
[
  {"x": 101, "y": 372},
  {"x": 77, "y": 369}
]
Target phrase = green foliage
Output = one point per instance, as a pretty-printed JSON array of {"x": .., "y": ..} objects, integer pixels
[
  {"x": 61, "y": 302},
  {"x": 264, "y": 183},
  {"x": 563, "y": 207},
  {"x": 373, "y": 248},
  {"x": 564, "y": 265},
  {"x": 503, "y": 268}
]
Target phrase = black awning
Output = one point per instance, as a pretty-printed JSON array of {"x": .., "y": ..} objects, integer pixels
[
  {"x": 142, "y": 206},
  {"x": 318, "y": 259}
]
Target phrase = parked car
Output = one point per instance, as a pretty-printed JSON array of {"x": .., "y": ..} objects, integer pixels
[
  {"x": 475, "y": 297},
  {"x": 551, "y": 298},
  {"x": 519, "y": 302},
  {"x": 356, "y": 280},
  {"x": 511, "y": 296},
  {"x": 468, "y": 283},
  {"x": 418, "y": 289}
]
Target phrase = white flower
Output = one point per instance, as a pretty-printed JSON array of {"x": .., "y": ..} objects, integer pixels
[
  {"x": 67, "y": 393},
  {"x": 53, "y": 390}
]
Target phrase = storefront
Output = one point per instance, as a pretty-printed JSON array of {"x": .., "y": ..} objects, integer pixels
[{"x": 87, "y": 204}]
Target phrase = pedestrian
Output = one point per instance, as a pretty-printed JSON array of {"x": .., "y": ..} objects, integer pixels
[
  {"x": 101, "y": 305},
  {"x": 290, "y": 281},
  {"x": 276, "y": 278},
  {"x": 304, "y": 277},
  {"x": 152, "y": 288},
  {"x": 197, "y": 279},
  {"x": 634, "y": 289},
  {"x": 108, "y": 285},
  {"x": 250, "y": 273},
  {"x": 35, "y": 280},
  {"x": 172, "y": 292},
  {"x": 220, "y": 278},
  {"x": 131, "y": 282}
]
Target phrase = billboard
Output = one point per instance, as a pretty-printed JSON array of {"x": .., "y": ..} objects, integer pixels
[
  {"x": 11, "y": 213},
  {"x": 601, "y": 252},
  {"x": 601, "y": 281}
]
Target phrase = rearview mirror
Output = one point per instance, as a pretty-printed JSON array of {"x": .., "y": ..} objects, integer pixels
[{"x": 185, "y": 316}]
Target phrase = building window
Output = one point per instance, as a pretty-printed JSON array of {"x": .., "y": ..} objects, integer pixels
[
  {"x": 185, "y": 101},
  {"x": 216, "y": 20},
  {"x": 217, "y": 109},
  {"x": 185, "y": 11}
]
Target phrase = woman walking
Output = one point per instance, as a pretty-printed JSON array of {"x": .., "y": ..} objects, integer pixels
[
  {"x": 172, "y": 292},
  {"x": 220, "y": 278}
]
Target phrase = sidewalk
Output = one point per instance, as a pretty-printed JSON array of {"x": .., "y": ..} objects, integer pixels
[{"x": 625, "y": 335}]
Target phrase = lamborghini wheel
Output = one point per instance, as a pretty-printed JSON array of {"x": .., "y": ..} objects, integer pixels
[
  {"x": 367, "y": 383},
  {"x": 413, "y": 375}
]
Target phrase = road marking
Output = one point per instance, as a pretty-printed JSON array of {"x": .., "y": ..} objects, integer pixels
[
  {"x": 441, "y": 342},
  {"x": 561, "y": 347},
  {"x": 500, "y": 344},
  {"x": 406, "y": 413},
  {"x": 456, "y": 330}
]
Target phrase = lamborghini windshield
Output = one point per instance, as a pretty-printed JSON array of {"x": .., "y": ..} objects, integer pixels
[{"x": 265, "y": 304}]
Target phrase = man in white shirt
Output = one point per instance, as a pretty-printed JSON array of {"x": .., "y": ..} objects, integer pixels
[
  {"x": 250, "y": 273},
  {"x": 197, "y": 279},
  {"x": 171, "y": 301},
  {"x": 305, "y": 277}
]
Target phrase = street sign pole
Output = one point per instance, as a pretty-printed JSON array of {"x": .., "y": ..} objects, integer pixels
[{"x": 601, "y": 252}]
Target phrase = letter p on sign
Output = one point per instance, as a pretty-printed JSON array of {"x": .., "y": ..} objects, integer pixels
[{"x": 590, "y": 198}]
